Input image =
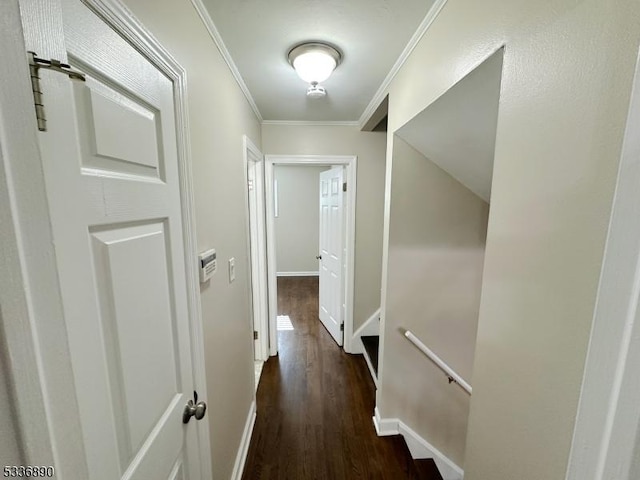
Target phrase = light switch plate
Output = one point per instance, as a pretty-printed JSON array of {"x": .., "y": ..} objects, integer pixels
[{"x": 232, "y": 270}]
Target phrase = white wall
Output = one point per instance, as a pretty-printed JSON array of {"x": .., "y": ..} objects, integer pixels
[
  {"x": 436, "y": 251},
  {"x": 297, "y": 225},
  {"x": 219, "y": 115},
  {"x": 567, "y": 75},
  {"x": 370, "y": 149}
]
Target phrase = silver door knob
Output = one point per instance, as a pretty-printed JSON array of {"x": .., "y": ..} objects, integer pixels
[
  {"x": 318, "y": 257},
  {"x": 193, "y": 408}
]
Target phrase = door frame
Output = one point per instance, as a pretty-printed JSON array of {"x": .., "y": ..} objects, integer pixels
[
  {"x": 253, "y": 159},
  {"x": 34, "y": 329},
  {"x": 608, "y": 418},
  {"x": 350, "y": 164}
]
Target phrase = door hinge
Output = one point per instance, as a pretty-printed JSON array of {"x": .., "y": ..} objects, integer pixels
[
  {"x": 344, "y": 187},
  {"x": 250, "y": 184},
  {"x": 255, "y": 335},
  {"x": 35, "y": 64},
  {"x": 342, "y": 327}
]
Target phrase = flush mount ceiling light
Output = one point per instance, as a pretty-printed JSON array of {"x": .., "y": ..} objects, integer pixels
[{"x": 314, "y": 62}]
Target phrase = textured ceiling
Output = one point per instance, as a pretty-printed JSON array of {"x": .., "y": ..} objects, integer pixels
[
  {"x": 457, "y": 132},
  {"x": 370, "y": 33}
]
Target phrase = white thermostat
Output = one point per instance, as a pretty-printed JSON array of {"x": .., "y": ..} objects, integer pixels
[{"x": 208, "y": 264}]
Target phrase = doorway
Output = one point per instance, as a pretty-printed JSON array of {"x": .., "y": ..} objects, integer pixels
[
  {"x": 348, "y": 164},
  {"x": 254, "y": 171},
  {"x": 257, "y": 245}
]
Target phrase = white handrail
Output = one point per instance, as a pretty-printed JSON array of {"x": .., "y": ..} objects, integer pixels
[{"x": 453, "y": 376}]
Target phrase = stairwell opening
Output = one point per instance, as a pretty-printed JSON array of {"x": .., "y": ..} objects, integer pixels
[{"x": 440, "y": 191}]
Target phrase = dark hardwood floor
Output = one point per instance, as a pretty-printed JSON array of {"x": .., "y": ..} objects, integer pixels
[{"x": 315, "y": 403}]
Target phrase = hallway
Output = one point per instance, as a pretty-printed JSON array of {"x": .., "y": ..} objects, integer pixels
[{"x": 315, "y": 403}]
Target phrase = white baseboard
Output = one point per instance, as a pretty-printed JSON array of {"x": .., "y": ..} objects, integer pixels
[
  {"x": 243, "y": 449},
  {"x": 385, "y": 426},
  {"x": 418, "y": 446},
  {"x": 370, "y": 327},
  {"x": 297, "y": 274}
]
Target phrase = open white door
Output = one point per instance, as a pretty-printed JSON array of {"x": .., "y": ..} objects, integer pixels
[
  {"x": 331, "y": 311},
  {"x": 112, "y": 179},
  {"x": 258, "y": 247}
]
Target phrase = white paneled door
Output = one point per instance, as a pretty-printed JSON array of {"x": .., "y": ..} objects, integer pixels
[
  {"x": 332, "y": 225},
  {"x": 258, "y": 247},
  {"x": 112, "y": 178}
]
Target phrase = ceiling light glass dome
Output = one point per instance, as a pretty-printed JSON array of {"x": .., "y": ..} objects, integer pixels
[{"x": 314, "y": 62}]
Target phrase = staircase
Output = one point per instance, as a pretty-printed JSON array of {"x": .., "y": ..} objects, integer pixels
[
  {"x": 415, "y": 469},
  {"x": 426, "y": 469},
  {"x": 371, "y": 344}
]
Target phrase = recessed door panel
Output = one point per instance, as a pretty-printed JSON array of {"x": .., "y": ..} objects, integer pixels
[
  {"x": 135, "y": 293},
  {"x": 120, "y": 132}
]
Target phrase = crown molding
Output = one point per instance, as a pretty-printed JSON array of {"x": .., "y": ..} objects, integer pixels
[
  {"x": 431, "y": 15},
  {"x": 373, "y": 104},
  {"x": 309, "y": 123},
  {"x": 217, "y": 39}
]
